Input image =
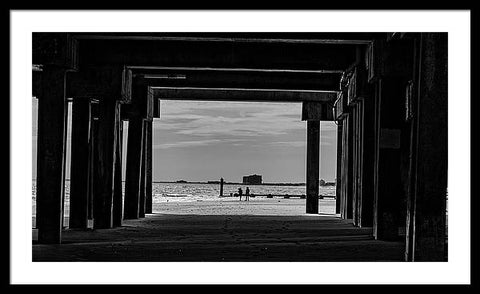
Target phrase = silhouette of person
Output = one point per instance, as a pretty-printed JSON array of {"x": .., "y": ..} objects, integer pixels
[
  {"x": 240, "y": 192},
  {"x": 247, "y": 194}
]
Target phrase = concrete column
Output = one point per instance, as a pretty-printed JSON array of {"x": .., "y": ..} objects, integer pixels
[
  {"x": 349, "y": 182},
  {"x": 148, "y": 169},
  {"x": 390, "y": 191},
  {"x": 367, "y": 170},
  {"x": 358, "y": 169},
  {"x": 133, "y": 176},
  {"x": 141, "y": 208},
  {"x": 359, "y": 155},
  {"x": 313, "y": 159},
  {"x": 343, "y": 195},
  {"x": 354, "y": 161},
  {"x": 104, "y": 176},
  {"x": 92, "y": 161},
  {"x": 430, "y": 152},
  {"x": 118, "y": 193},
  {"x": 338, "y": 184},
  {"x": 79, "y": 171},
  {"x": 52, "y": 118},
  {"x": 313, "y": 113}
]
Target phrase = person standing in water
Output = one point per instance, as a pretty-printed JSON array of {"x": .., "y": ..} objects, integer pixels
[
  {"x": 240, "y": 192},
  {"x": 247, "y": 194}
]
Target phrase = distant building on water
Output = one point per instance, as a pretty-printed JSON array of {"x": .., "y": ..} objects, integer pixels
[{"x": 252, "y": 180}]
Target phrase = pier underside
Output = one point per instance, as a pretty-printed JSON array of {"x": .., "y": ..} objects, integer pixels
[{"x": 387, "y": 93}]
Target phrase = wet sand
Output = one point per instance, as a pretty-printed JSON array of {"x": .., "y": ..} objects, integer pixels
[{"x": 226, "y": 230}]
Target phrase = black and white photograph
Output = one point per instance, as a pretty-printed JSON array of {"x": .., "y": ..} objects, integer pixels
[{"x": 240, "y": 147}]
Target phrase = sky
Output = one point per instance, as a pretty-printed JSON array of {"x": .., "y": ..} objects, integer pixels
[
  {"x": 201, "y": 141},
  {"x": 204, "y": 141}
]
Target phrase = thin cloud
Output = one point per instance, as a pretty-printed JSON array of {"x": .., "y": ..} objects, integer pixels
[
  {"x": 196, "y": 143},
  {"x": 244, "y": 119}
]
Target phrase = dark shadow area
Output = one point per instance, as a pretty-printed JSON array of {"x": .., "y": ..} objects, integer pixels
[{"x": 183, "y": 237}]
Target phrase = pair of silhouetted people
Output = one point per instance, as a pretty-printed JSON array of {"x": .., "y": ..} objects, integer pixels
[{"x": 247, "y": 194}]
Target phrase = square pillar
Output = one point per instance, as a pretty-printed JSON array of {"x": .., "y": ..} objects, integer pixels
[
  {"x": 80, "y": 163},
  {"x": 133, "y": 172},
  {"x": 104, "y": 175},
  {"x": 52, "y": 119},
  {"x": 118, "y": 191},
  {"x": 141, "y": 209},
  {"x": 367, "y": 168},
  {"x": 355, "y": 163},
  {"x": 313, "y": 163},
  {"x": 313, "y": 112},
  {"x": 390, "y": 194},
  {"x": 338, "y": 184},
  {"x": 148, "y": 168},
  {"x": 349, "y": 181},
  {"x": 426, "y": 239}
]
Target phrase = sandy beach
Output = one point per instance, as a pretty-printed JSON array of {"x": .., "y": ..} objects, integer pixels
[
  {"x": 277, "y": 206},
  {"x": 226, "y": 230}
]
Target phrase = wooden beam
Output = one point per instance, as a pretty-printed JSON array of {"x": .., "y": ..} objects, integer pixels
[
  {"x": 147, "y": 68},
  {"x": 142, "y": 101},
  {"x": 240, "y": 79},
  {"x": 100, "y": 81},
  {"x": 52, "y": 118},
  {"x": 151, "y": 52},
  {"x": 317, "y": 111},
  {"x": 250, "y": 37},
  {"x": 56, "y": 49},
  {"x": 237, "y": 94}
]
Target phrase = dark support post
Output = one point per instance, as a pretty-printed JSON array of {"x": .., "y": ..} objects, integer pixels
[
  {"x": 104, "y": 177},
  {"x": 221, "y": 186},
  {"x": 430, "y": 160},
  {"x": 344, "y": 170},
  {"x": 358, "y": 155},
  {"x": 92, "y": 161},
  {"x": 141, "y": 209},
  {"x": 132, "y": 180},
  {"x": 367, "y": 170},
  {"x": 52, "y": 117},
  {"x": 79, "y": 172},
  {"x": 313, "y": 113},
  {"x": 349, "y": 167},
  {"x": 118, "y": 193},
  {"x": 148, "y": 169},
  {"x": 338, "y": 184},
  {"x": 313, "y": 158},
  {"x": 354, "y": 161},
  {"x": 390, "y": 192}
]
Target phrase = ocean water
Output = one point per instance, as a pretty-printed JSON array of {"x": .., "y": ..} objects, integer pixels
[
  {"x": 189, "y": 192},
  {"x": 181, "y": 192}
]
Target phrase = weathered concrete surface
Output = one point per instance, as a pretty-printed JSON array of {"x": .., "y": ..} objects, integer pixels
[{"x": 226, "y": 231}]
